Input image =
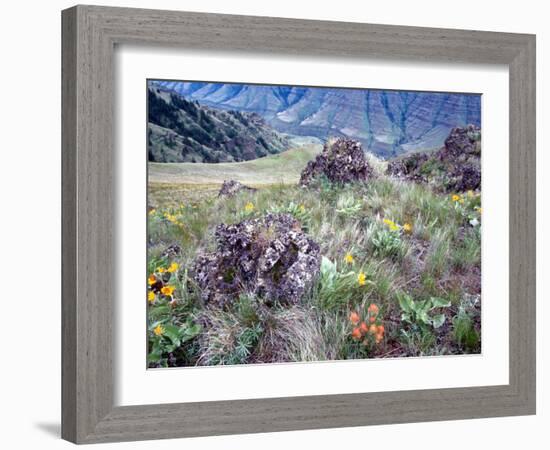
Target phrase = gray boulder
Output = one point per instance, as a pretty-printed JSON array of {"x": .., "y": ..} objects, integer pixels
[
  {"x": 269, "y": 257},
  {"x": 341, "y": 161}
]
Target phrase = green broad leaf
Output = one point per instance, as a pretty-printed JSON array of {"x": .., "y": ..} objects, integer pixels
[
  {"x": 193, "y": 330},
  {"x": 423, "y": 307},
  {"x": 173, "y": 333},
  {"x": 154, "y": 357},
  {"x": 158, "y": 311},
  {"x": 438, "y": 320},
  {"x": 424, "y": 318},
  {"x": 439, "y": 303},
  {"x": 170, "y": 348},
  {"x": 406, "y": 303}
]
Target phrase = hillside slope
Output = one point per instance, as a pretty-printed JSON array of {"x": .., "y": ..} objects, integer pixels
[{"x": 185, "y": 131}]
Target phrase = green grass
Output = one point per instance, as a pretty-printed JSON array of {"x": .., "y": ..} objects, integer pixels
[
  {"x": 283, "y": 168},
  {"x": 439, "y": 257}
]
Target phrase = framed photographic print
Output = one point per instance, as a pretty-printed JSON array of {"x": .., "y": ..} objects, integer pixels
[{"x": 299, "y": 224}]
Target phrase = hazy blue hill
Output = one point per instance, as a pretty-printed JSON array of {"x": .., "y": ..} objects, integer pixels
[
  {"x": 389, "y": 123},
  {"x": 180, "y": 130}
]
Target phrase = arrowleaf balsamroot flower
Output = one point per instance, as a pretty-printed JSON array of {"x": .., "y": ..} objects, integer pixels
[
  {"x": 349, "y": 258},
  {"x": 407, "y": 228},
  {"x": 361, "y": 279},
  {"x": 168, "y": 290},
  {"x": 249, "y": 207},
  {"x": 173, "y": 267},
  {"x": 151, "y": 280},
  {"x": 391, "y": 225},
  {"x": 158, "y": 330},
  {"x": 455, "y": 197},
  {"x": 151, "y": 296}
]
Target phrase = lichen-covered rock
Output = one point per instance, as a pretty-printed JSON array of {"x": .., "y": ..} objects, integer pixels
[
  {"x": 171, "y": 251},
  {"x": 407, "y": 167},
  {"x": 462, "y": 142},
  {"x": 269, "y": 257},
  {"x": 456, "y": 167},
  {"x": 231, "y": 187},
  {"x": 341, "y": 161}
]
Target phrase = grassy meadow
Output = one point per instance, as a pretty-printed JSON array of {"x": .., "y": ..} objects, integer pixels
[{"x": 400, "y": 269}]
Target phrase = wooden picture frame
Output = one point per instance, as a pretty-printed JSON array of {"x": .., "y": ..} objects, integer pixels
[{"x": 89, "y": 35}]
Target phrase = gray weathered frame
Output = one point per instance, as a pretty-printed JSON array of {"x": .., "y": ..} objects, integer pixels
[{"x": 89, "y": 34}]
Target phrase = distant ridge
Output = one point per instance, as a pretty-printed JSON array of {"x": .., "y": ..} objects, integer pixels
[{"x": 388, "y": 123}]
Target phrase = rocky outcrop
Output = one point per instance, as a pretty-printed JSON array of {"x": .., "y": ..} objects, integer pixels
[
  {"x": 231, "y": 187},
  {"x": 269, "y": 257},
  {"x": 456, "y": 167},
  {"x": 341, "y": 161}
]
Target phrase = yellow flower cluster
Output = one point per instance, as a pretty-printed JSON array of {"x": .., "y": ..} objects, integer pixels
[
  {"x": 361, "y": 279},
  {"x": 157, "y": 284},
  {"x": 172, "y": 218},
  {"x": 173, "y": 267},
  {"x": 249, "y": 207},
  {"x": 349, "y": 258},
  {"x": 457, "y": 198},
  {"x": 393, "y": 226},
  {"x": 167, "y": 290}
]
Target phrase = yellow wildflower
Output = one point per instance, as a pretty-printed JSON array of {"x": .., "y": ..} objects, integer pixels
[
  {"x": 168, "y": 290},
  {"x": 407, "y": 228},
  {"x": 151, "y": 296},
  {"x": 391, "y": 224},
  {"x": 249, "y": 207},
  {"x": 455, "y": 198},
  {"x": 153, "y": 211},
  {"x": 173, "y": 267},
  {"x": 361, "y": 279},
  {"x": 349, "y": 258},
  {"x": 170, "y": 217},
  {"x": 159, "y": 330},
  {"x": 151, "y": 280},
  {"x": 160, "y": 270}
]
